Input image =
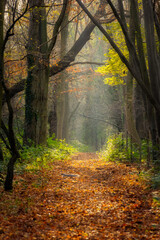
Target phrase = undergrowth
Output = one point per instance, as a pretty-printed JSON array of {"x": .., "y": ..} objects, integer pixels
[
  {"x": 35, "y": 158},
  {"x": 119, "y": 150}
]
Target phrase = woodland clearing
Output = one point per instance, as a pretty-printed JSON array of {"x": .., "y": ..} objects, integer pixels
[{"x": 80, "y": 198}]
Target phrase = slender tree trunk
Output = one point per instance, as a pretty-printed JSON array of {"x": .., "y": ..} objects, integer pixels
[
  {"x": 66, "y": 115},
  {"x": 2, "y": 6},
  {"x": 140, "y": 113},
  {"x": 131, "y": 127},
  {"x": 62, "y": 100},
  {"x": 12, "y": 142}
]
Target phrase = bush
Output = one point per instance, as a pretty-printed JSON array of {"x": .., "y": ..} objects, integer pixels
[
  {"x": 35, "y": 158},
  {"x": 114, "y": 149},
  {"x": 41, "y": 156}
]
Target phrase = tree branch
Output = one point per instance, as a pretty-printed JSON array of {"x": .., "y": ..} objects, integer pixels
[
  {"x": 57, "y": 26},
  {"x": 67, "y": 59},
  {"x": 18, "y": 87},
  {"x": 72, "y": 53},
  {"x": 102, "y": 120},
  {"x": 78, "y": 45},
  {"x": 8, "y": 33}
]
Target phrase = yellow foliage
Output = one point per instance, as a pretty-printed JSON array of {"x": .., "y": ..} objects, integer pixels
[{"x": 113, "y": 67}]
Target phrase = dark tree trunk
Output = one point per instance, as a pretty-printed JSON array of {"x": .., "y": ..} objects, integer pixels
[
  {"x": 36, "y": 115},
  {"x": 2, "y": 6},
  {"x": 153, "y": 56},
  {"x": 131, "y": 127},
  {"x": 10, "y": 172},
  {"x": 149, "y": 110},
  {"x": 12, "y": 141}
]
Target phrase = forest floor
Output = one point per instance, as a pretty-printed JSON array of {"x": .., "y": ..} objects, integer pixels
[{"x": 80, "y": 198}]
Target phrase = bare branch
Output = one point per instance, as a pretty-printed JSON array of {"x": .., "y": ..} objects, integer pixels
[
  {"x": 8, "y": 33},
  {"x": 57, "y": 26},
  {"x": 99, "y": 119}
]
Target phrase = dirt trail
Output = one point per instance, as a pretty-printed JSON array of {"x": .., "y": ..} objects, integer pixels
[{"x": 85, "y": 198}]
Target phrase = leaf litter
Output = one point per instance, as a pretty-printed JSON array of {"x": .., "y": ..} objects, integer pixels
[{"x": 80, "y": 198}]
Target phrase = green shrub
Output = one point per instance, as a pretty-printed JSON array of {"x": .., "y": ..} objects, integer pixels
[
  {"x": 41, "y": 156},
  {"x": 114, "y": 149}
]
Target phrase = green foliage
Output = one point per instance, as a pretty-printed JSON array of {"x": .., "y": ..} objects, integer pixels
[
  {"x": 114, "y": 149},
  {"x": 63, "y": 149},
  {"x": 35, "y": 158},
  {"x": 41, "y": 156},
  {"x": 152, "y": 178},
  {"x": 117, "y": 149}
]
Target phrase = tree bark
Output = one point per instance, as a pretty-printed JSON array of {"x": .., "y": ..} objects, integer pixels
[
  {"x": 62, "y": 101},
  {"x": 152, "y": 53},
  {"x": 2, "y": 6},
  {"x": 12, "y": 141},
  {"x": 131, "y": 127},
  {"x": 38, "y": 76},
  {"x": 140, "y": 113}
]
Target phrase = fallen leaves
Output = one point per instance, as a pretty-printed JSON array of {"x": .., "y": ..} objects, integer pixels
[{"x": 105, "y": 201}]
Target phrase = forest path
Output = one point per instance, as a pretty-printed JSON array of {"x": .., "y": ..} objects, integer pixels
[{"x": 81, "y": 198}]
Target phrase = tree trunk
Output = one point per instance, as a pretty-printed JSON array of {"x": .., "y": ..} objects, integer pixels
[
  {"x": 2, "y": 6},
  {"x": 140, "y": 113},
  {"x": 150, "y": 112},
  {"x": 36, "y": 115},
  {"x": 10, "y": 171},
  {"x": 66, "y": 114},
  {"x": 62, "y": 100},
  {"x": 153, "y": 58},
  {"x": 12, "y": 141},
  {"x": 131, "y": 127}
]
